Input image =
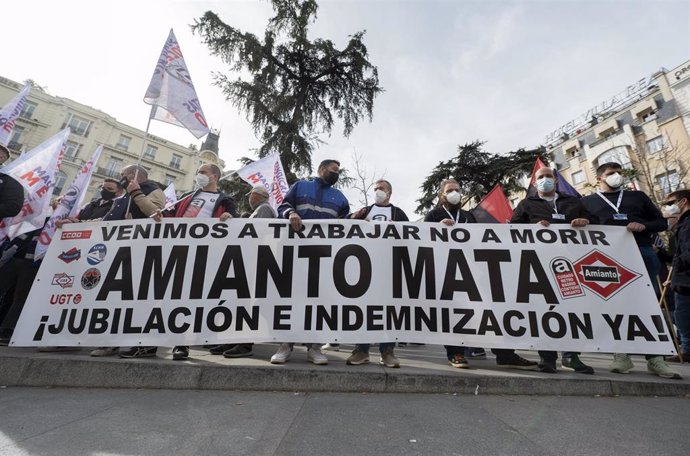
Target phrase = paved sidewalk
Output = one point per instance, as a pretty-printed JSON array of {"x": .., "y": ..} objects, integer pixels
[{"x": 423, "y": 370}]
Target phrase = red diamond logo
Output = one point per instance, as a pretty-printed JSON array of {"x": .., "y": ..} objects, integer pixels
[{"x": 603, "y": 275}]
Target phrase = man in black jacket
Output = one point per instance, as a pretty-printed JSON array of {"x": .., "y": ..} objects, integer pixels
[
  {"x": 381, "y": 211},
  {"x": 678, "y": 202},
  {"x": 613, "y": 205},
  {"x": 11, "y": 191},
  {"x": 102, "y": 204},
  {"x": 449, "y": 212},
  {"x": 548, "y": 206}
]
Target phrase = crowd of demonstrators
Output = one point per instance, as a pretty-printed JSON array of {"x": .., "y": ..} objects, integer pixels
[
  {"x": 312, "y": 199},
  {"x": 134, "y": 196},
  {"x": 381, "y": 211},
  {"x": 613, "y": 205}
]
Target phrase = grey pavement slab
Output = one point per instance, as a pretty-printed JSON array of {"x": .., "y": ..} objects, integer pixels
[
  {"x": 110, "y": 422},
  {"x": 424, "y": 369}
]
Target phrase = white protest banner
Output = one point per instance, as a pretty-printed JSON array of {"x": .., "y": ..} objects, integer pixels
[
  {"x": 70, "y": 203},
  {"x": 267, "y": 172},
  {"x": 172, "y": 93},
  {"x": 10, "y": 112},
  {"x": 170, "y": 195},
  {"x": 36, "y": 171},
  {"x": 194, "y": 282}
]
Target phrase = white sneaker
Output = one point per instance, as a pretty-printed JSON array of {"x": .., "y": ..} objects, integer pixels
[
  {"x": 621, "y": 363},
  {"x": 282, "y": 355},
  {"x": 316, "y": 357},
  {"x": 330, "y": 347}
]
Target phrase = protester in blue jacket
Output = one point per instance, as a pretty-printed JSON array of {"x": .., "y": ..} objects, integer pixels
[{"x": 312, "y": 199}]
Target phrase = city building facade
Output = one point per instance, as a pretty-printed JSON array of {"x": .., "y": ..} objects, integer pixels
[
  {"x": 45, "y": 115},
  {"x": 646, "y": 127}
]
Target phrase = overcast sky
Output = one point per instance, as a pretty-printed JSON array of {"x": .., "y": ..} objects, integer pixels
[{"x": 504, "y": 72}]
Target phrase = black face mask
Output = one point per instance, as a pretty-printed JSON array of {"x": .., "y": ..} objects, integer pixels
[
  {"x": 107, "y": 194},
  {"x": 331, "y": 178}
]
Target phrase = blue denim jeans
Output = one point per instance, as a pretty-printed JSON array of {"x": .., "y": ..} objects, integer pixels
[
  {"x": 653, "y": 265},
  {"x": 382, "y": 347},
  {"x": 682, "y": 315}
]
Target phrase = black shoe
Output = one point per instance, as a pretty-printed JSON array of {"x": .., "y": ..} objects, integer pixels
[
  {"x": 514, "y": 361},
  {"x": 5, "y": 336},
  {"x": 180, "y": 352},
  {"x": 573, "y": 362},
  {"x": 138, "y": 352},
  {"x": 220, "y": 349},
  {"x": 239, "y": 351},
  {"x": 548, "y": 366}
]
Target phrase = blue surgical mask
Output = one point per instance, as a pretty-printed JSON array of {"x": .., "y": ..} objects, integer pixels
[{"x": 545, "y": 184}]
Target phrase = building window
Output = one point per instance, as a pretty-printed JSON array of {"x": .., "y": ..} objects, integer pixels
[
  {"x": 578, "y": 177},
  {"x": 79, "y": 125},
  {"x": 71, "y": 149},
  {"x": 176, "y": 161},
  {"x": 28, "y": 110},
  {"x": 113, "y": 167},
  {"x": 647, "y": 116},
  {"x": 150, "y": 152},
  {"x": 169, "y": 180},
  {"x": 616, "y": 155},
  {"x": 668, "y": 182},
  {"x": 654, "y": 145},
  {"x": 123, "y": 142},
  {"x": 60, "y": 179},
  {"x": 15, "y": 138}
]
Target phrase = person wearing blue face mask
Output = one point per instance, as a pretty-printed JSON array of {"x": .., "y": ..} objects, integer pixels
[{"x": 547, "y": 207}]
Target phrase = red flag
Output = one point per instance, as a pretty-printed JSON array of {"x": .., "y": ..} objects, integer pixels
[
  {"x": 562, "y": 185},
  {"x": 494, "y": 207},
  {"x": 537, "y": 166}
]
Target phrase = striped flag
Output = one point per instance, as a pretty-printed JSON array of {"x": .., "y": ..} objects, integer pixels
[{"x": 494, "y": 207}]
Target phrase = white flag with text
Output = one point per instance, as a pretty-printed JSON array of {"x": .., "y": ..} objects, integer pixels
[
  {"x": 10, "y": 112},
  {"x": 69, "y": 204},
  {"x": 36, "y": 171},
  {"x": 171, "y": 92},
  {"x": 268, "y": 172},
  {"x": 170, "y": 195}
]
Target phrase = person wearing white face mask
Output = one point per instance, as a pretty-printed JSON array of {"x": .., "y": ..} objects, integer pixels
[
  {"x": 205, "y": 202},
  {"x": 678, "y": 204},
  {"x": 547, "y": 207},
  {"x": 613, "y": 205},
  {"x": 449, "y": 212},
  {"x": 381, "y": 211}
]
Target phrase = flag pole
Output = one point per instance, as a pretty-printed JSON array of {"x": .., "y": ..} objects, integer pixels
[{"x": 141, "y": 156}]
